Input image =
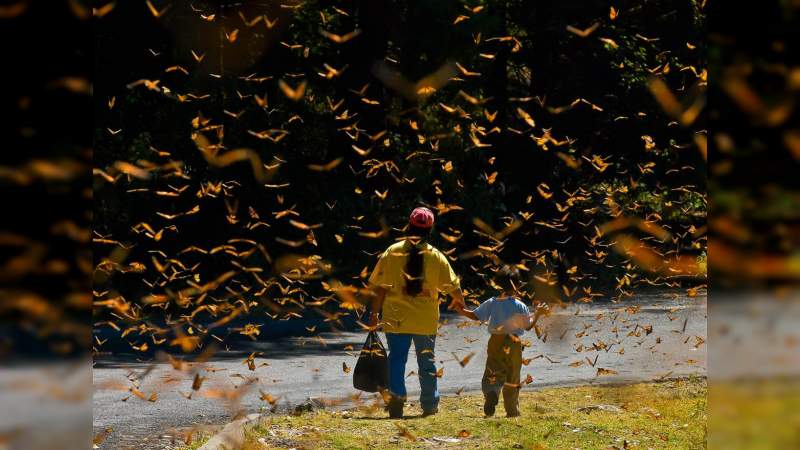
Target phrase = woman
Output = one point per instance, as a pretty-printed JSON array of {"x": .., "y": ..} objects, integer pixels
[{"x": 407, "y": 281}]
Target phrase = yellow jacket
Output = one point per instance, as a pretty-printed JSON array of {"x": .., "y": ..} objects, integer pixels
[{"x": 418, "y": 314}]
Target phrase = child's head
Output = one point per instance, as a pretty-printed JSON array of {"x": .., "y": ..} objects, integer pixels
[{"x": 507, "y": 279}]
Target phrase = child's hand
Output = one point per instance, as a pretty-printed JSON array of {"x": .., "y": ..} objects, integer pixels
[{"x": 531, "y": 321}]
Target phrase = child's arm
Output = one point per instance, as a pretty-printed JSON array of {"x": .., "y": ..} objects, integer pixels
[
  {"x": 480, "y": 313},
  {"x": 531, "y": 322},
  {"x": 541, "y": 309},
  {"x": 469, "y": 313}
]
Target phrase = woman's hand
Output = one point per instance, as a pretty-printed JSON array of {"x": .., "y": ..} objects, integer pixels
[
  {"x": 377, "y": 305},
  {"x": 458, "y": 301},
  {"x": 468, "y": 314},
  {"x": 373, "y": 321}
]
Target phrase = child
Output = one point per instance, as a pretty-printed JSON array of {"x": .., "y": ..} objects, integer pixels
[{"x": 508, "y": 319}]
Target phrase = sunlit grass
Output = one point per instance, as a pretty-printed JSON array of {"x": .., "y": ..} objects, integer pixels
[
  {"x": 755, "y": 414},
  {"x": 196, "y": 443},
  {"x": 668, "y": 415}
]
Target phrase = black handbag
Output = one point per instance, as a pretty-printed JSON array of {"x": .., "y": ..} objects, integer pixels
[{"x": 371, "y": 371}]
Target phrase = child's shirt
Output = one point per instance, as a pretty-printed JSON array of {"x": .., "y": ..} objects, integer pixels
[{"x": 505, "y": 315}]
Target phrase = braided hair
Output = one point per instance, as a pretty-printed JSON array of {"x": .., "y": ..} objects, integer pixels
[{"x": 414, "y": 264}]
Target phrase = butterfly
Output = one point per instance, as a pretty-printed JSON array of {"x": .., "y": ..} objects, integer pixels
[
  {"x": 154, "y": 11},
  {"x": 419, "y": 90},
  {"x": 585, "y": 32},
  {"x": 198, "y": 58},
  {"x": 250, "y": 23},
  {"x": 465, "y": 360},
  {"x": 326, "y": 167},
  {"x": 269, "y": 23},
  {"x": 103, "y": 10},
  {"x": 466, "y": 72},
  {"x": 340, "y": 39},
  {"x": 293, "y": 94}
]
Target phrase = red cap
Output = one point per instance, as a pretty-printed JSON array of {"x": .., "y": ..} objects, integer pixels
[{"x": 421, "y": 217}]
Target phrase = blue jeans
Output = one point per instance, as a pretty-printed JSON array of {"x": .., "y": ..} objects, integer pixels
[{"x": 399, "y": 345}]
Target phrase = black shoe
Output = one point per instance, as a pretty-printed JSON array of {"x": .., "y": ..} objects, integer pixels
[
  {"x": 489, "y": 404},
  {"x": 429, "y": 412},
  {"x": 395, "y": 408}
]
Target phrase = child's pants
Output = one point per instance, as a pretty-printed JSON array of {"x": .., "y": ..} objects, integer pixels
[{"x": 503, "y": 364}]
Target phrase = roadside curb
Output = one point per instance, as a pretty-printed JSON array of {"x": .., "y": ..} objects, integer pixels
[{"x": 232, "y": 435}]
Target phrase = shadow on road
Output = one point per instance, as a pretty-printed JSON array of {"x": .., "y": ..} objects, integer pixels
[{"x": 276, "y": 349}]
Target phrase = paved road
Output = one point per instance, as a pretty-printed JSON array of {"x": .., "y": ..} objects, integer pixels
[
  {"x": 293, "y": 370},
  {"x": 45, "y": 405}
]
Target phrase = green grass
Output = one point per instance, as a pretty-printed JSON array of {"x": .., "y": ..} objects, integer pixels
[
  {"x": 666, "y": 415},
  {"x": 754, "y": 415},
  {"x": 197, "y": 441}
]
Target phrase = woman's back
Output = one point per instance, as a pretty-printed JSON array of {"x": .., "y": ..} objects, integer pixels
[{"x": 405, "y": 313}]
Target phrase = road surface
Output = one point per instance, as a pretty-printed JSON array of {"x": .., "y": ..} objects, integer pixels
[{"x": 663, "y": 335}]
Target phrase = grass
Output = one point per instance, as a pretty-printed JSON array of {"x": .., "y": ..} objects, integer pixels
[
  {"x": 665, "y": 415},
  {"x": 754, "y": 414},
  {"x": 196, "y": 443}
]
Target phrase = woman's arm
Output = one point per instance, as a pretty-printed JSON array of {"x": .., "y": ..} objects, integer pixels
[
  {"x": 458, "y": 300},
  {"x": 468, "y": 313},
  {"x": 376, "y": 305}
]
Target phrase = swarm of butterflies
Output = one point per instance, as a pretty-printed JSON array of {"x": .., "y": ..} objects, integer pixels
[
  {"x": 224, "y": 232},
  {"x": 267, "y": 262}
]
